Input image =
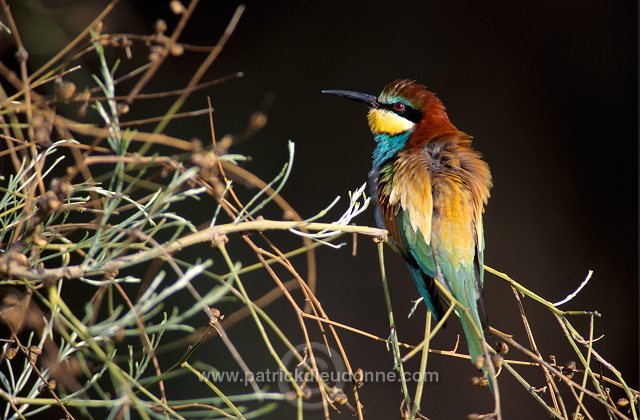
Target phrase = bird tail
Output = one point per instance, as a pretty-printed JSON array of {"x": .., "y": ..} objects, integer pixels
[
  {"x": 474, "y": 334},
  {"x": 471, "y": 322}
]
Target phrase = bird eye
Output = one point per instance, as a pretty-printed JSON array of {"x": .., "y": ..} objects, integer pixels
[{"x": 398, "y": 106}]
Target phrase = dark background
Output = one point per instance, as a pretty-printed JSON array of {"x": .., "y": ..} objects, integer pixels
[{"x": 548, "y": 89}]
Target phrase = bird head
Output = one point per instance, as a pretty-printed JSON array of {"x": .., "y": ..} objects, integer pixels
[{"x": 402, "y": 106}]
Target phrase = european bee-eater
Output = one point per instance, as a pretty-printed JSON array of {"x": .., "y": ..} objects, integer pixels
[{"x": 431, "y": 187}]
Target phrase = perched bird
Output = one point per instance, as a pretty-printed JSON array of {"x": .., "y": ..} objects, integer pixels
[{"x": 431, "y": 187}]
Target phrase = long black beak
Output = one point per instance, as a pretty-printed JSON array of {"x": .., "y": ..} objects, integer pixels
[{"x": 363, "y": 98}]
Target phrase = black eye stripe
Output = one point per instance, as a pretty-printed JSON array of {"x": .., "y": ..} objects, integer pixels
[{"x": 408, "y": 112}]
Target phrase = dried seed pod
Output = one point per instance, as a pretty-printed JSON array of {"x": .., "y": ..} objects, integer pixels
[
  {"x": 358, "y": 378},
  {"x": 177, "y": 7},
  {"x": 569, "y": 369},
  {"x": 479, "y": 381},
  {"x": 34, "y": 352},
  {"x": 497, "y": 361},
  {"x": 63, "y": 189},
  {"x": 338, "y": 396},
  {"x": 176, "y": 50},
  {"x": 258, "y": 120},
  {"x": 215, "y": 316},
  {"x": 11, "y": 260},
  {"x": 156, "y": 53},
  {"x": 123, "y": 109},
  {"x": 502, "y": 348},
  {"x": 160, "y": 26},
  {"x": 48, "y": 203},
  {"x": 22, "y": 55},
  {"x": 65, "y": 91},
  {"x": 51, "y": 386},
  {"x": 11, "y": 352}
]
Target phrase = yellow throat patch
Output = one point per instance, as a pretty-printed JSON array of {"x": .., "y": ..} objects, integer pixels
[{"x": 388, "y": 122}]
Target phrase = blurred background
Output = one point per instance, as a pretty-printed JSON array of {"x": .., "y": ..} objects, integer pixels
[{"x": 548, "y": 89}]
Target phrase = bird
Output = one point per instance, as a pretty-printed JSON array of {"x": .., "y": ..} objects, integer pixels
[{"x": 431, "y": 187}]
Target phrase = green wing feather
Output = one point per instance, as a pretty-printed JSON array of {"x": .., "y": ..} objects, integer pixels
[{"x": 422, "y": 265}]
